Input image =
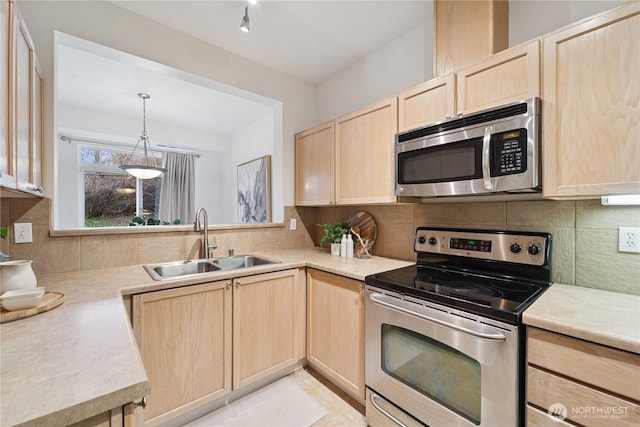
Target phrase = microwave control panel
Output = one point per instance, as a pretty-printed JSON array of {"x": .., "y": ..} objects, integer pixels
[{"x": 509, "y": 152}]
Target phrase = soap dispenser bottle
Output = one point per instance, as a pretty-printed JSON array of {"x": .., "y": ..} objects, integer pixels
[
  {"x": 349, "y": 246},
  {"x": 343, "y": 246}
]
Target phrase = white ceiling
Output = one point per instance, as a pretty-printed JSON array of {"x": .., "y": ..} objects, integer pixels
[{"x": 309, "y": 40}]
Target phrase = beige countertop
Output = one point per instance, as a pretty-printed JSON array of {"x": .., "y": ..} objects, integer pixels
[
  {"x": 81, "y": 358},
  {"x": 607, "y": 318}
]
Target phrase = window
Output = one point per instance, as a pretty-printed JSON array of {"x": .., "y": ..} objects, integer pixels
[{"x": 105, "y": 202}]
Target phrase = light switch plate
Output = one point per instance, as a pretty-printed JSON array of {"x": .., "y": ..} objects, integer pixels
[
  {"x": 22, "y": 232},
  {"x": 629, "y": 239},
  {"x": 292, "y": 224}
]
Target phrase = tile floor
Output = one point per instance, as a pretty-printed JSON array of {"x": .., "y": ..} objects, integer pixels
[{"x": 342, "y": 410}]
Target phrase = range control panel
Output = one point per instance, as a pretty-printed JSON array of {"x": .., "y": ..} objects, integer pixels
[{"x": 523, "y": 248}]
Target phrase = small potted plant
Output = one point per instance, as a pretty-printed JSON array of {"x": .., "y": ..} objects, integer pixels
[{"x": 333, "y": 234}]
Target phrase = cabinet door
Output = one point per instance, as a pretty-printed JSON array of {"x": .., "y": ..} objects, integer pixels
[
  {"x": 591, "y": 112},
  {"x": 315, "y": 171},
  {"x": 35, "y": 162},
  {"x": 364, "y": 154},
  {"x": 6, "y": 166},
  {"x": 508, "y": 76},
  {"x": 184, "y": 336},
  {"x": 467, "y": 32},
  {"x": 265, "y": 326},
  {"x": 428, "y": 103},
  {"x": 24, "y": 146},
  {"x": 22, "y": 80},
  {"x": 335, "y": 330}
]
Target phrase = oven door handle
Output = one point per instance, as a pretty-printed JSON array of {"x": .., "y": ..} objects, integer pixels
[
  {"x": 486, "y": 158},
  {"x": 378, "y": 299},
  {"x": 384, "y": 412}
]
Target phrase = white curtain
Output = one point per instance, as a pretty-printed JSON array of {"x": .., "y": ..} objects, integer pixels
[{"x": 177, "y": 193}]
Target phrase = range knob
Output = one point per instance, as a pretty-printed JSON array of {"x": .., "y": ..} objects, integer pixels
[
  {"x": 432, "y": 240},
  {"x": 533, "y": 249},
  {"x": 421, "y": 240},
  {"x": 515, "y": 248}
]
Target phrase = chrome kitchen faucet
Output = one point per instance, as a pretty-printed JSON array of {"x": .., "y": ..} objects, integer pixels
[{"x": 206, "y": 246}]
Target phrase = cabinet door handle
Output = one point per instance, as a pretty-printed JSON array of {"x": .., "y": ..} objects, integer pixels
[
  {"x": 35, "y": 188},
  {"x": 142, "y": 403},
  {"x": 229, "y": 284}
]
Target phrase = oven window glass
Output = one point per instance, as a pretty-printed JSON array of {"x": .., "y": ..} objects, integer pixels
[
  {"x": 444, "y": 163},
  {"x": 434, "y": 369}
]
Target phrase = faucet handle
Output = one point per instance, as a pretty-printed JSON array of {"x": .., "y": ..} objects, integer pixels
[
  {"x": 231, "y": 253},
  {"x": 213, "y": 245}
]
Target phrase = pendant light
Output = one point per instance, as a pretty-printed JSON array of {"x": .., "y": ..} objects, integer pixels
[{"x": 145, "y": 170}]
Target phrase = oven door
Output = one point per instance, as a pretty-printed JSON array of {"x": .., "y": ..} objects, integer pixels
[{"x": 443, "y": 366}]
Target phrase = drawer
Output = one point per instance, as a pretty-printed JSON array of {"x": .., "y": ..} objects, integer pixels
[
  {"x": 585, "y": 405},
  {"x": 604, "y": 367},
  {"x": 538, "y": 418},
  {"x": 376, "y": 416}
]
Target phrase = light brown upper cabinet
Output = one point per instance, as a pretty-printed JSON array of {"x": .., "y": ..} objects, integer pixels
[
  {"x": 21, "y": 124},
  {"x": 315, "y": 166},
  {"x": 6, "y": 165},
  {"x": 427, "y": 103},
  {"x": 591, "y": 111},
  {"x": 508, "y": 76},
  {"x": 364, "y": 154},
  {"x": 467, "y": 32}
]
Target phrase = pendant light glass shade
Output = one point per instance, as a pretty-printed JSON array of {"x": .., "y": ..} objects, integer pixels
[{"x": 147, "y": 169}]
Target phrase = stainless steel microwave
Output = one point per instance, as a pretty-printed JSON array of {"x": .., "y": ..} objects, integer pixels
[{"x": 496, "y": 150}]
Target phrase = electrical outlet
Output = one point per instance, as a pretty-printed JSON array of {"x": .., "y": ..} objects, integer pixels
[
  {"x": 629, "y": 239},
  {"x": 22, "y": 232},
  {"x": 293, "y": 224}
]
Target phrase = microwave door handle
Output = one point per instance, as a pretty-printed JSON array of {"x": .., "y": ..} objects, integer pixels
[{"x": 486, "y": 151}]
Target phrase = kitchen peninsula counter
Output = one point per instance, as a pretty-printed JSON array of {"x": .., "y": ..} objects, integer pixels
[
  {"x": 607, "y": 318},
  {"x": 81, "y": 358}
]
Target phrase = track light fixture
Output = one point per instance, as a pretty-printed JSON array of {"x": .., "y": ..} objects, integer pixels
[{"x": 244, "y": 26}]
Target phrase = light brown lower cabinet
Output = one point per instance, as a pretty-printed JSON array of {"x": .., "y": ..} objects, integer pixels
[
  {"x": 268, "y": 325},
  {"x": 200, "y": 342},
  {"x": 184, "y": 336},
  {"x": 586, "y": 384},
  {"x": 335, "y": 330}
]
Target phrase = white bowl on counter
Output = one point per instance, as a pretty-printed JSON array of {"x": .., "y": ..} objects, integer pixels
[{"x": 21, "y": 299}]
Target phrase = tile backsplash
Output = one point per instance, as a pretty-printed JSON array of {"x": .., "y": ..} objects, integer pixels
[
  {"x": 585, "y": 233},
  {"x": 585, "y": 236},
  {"x": 58, "y": 254}
]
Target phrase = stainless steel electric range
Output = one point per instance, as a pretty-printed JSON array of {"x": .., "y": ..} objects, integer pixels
[{"x": 444, "y": 341}]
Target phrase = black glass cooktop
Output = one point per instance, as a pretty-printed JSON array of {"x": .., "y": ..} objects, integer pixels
[{"x": 494, "y": 297}]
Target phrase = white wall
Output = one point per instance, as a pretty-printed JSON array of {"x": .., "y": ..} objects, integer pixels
[
  {"x": 530, "y": 19},
  {"x": 109, "y": 25},
  {"x": 408, "y": 60},
  {"x": 252, "y": 142},
  {"x": 402, "y": 63}
]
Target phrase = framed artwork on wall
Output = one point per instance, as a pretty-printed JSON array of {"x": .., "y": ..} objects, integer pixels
[{"x": 254, "y": 191}]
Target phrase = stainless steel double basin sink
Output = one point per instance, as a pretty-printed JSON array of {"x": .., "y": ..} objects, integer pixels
[{"x": 183, "y": 269}]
